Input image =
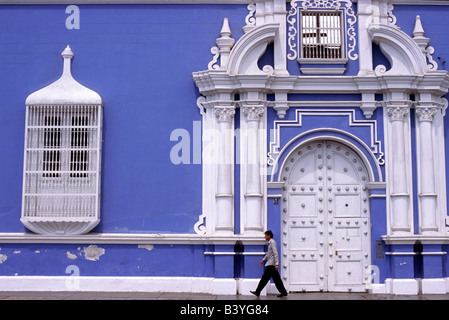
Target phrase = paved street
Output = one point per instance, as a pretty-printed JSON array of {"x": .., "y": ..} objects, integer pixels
[{"x": 199, "y": 296}]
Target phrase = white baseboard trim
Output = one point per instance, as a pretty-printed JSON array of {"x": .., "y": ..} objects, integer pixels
[
  {"x": 129, "y": 284},
  {"x": 402, "y": 286},
  {"x": 193, "y": 285},
  {"x": 416, "y": 286},
  {"x": 434, "y": 286}
]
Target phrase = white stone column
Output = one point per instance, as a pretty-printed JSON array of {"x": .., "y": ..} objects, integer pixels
[
  {"x": 225, "y": 191},
  {"x": 253, "y": 193},
  {"x": 427, "y": 195},
  {"x": 399, "y": 194}
]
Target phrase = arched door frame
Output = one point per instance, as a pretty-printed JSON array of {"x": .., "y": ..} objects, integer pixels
[{"x": 375, "y": 173}]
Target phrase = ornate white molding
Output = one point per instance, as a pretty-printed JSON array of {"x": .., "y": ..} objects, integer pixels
[
  {"x": 397, "y": 113},
  {"x": 213, "y": 64},
  {"x": 250, "y": 19},
  {"x": 253, "y": 113},
  {"x": 199, "y": 104},
  {"x": 375, "y": 146},
  {"x": 425, "y": 113},
  {"x": 250, "y": 47},
  {"x": 392, "y": 20},
  {"x": 403, "y": 53},
  {"x": 200, "y": 226},
  {"x": 293, "y": 24},
  {"x": 224, "y": 114}
]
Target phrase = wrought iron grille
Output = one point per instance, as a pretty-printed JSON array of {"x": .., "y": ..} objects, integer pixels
[
  {"x": 62, "y": 161},
  {"x": 321, "y": 35}
]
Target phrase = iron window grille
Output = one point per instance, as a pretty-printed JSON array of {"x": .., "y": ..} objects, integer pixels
[
  {"x": 322, "y": 35},
  {"x": 62, "y": 158}
]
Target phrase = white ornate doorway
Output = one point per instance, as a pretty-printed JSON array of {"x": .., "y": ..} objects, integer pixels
[{"x": 325, "y": 219}]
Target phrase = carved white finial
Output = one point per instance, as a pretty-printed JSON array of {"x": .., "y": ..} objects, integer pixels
[
  {"x": 419, "y": 30},
  {"x": 423, "y": 44},
  {"x": 225, "y": 43},
  {"x": 225, "y": 29},
  {"x": 67, "y": 54},
  {"x": 418, "y": 35}
]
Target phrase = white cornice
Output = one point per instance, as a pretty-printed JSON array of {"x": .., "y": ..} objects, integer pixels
[
  {"x": 211, "y": 82},
  {"x": 396, "y": 2},
  {"x": 435, "y": 239},
  {"x": 131, "y": 238},
  {"x": 75, "y": 2},
  {"x": 421, "y": 2}
]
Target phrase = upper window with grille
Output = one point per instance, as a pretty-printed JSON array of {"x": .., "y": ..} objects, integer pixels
[{"x": 321, "y": 35}]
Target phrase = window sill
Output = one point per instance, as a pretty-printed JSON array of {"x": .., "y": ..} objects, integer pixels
[
  {"x": 323, "y": 66},
  {"x": 322, "y": 70},
  {"x": 322, "y": 61}
]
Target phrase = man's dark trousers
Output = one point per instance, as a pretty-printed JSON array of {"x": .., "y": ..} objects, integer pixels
[{"x": 271, "y": 272}]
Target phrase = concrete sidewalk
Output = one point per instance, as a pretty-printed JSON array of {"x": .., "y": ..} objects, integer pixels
[{"x": 76, "y": 295}]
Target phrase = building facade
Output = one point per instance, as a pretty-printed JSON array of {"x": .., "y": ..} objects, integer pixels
[{"x": 147, "y": 146}]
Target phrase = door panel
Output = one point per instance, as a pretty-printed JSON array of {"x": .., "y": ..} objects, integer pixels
[{"x": 325, "y": 219}]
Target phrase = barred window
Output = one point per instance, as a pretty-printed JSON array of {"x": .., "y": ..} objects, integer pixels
[
  {"x": 62, "y": 160},
  {"x": 62, "y": 154},
  {"x": 79, "y": 154},
  {"x": 321, "y": 35},
  {"x": 51, "y": 162}
]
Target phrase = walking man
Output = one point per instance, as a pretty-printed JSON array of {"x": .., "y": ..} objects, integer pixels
[{"x": 271, "y": 267}]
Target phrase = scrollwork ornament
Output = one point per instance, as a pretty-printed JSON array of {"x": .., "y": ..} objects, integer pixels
[
  {"x": 213, "y": 64},
  {"x": 433, "y": 65},
  {"x": 250, "y": 19},
  {"x": 200, "y": 226},
  {"x": 200, "y": 104},
  {"x": 292, "y": 32}
]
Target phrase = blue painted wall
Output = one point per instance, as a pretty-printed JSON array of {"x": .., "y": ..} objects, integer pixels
[{"x": 140, "y": 59}]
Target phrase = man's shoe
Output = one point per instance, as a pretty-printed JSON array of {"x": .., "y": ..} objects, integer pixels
[
  {"x": 282, "y": 295},
  {"x": 255, "y": 293}
]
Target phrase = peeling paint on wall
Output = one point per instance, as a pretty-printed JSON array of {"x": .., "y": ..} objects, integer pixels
[
  {"x": 149, "y": 247},
  {"x": 3, "y": 258},
  {"x": 71, "y": 256},
  {"x": 93, "y": 252}
]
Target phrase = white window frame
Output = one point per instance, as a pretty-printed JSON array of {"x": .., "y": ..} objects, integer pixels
[{"x": 348, "y": 30}]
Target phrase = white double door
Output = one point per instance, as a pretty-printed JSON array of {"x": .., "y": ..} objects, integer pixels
[{"x": 325, "y": 219}]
